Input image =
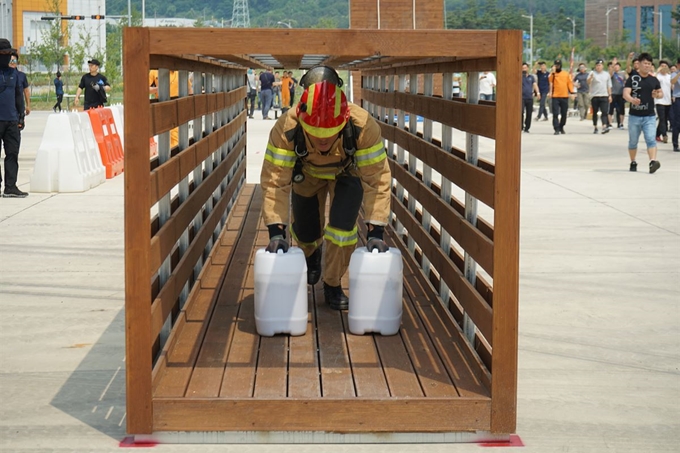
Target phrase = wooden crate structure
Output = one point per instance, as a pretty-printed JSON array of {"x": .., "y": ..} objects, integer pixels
[{"x": 189, "y": 207}]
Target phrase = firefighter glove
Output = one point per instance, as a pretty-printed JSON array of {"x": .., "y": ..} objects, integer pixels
[{"x": 375, "y": 239}]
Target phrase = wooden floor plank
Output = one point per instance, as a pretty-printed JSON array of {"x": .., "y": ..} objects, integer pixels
[
  {"x": 367, "y": 370},
  {"x": 271, "y": 374},
  {"x": 304, "y": 379},
  {"x": 429, "y": 369},
  {"x": 239, "y": 374},
  {"x": 336, "y": 374},
  {"x": 402, "y": 380}
]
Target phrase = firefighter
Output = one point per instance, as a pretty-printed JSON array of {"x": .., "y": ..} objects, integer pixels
[{"x": 326, "y": 146}]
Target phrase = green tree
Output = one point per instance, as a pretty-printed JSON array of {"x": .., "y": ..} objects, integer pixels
[{"x": 53, "y": 45}]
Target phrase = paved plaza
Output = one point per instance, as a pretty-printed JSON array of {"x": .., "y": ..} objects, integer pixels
[{"x": 599, "y": 341}]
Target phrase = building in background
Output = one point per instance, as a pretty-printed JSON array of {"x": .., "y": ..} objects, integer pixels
[
  {"x": 630, "y": 18},
  {"x": 21, "y": 20}
]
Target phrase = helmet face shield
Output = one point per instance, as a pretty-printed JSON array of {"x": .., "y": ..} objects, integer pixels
[{"x": 323, "y": 110}]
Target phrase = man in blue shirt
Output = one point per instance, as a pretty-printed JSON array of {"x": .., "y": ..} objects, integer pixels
[
  {"x": 529, "y": 89},
  {"x": 267, "y": 80},
  {"x": 11, "y": 105},
  {"x": 59, "y": 91},
  {"x": 542, "y": 76}
]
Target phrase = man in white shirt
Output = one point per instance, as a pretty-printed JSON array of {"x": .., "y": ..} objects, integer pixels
[
  {"x": 487, "y": 82},
  {"x": 663, "y": 105},
  {"x": 600, "y": 84}
]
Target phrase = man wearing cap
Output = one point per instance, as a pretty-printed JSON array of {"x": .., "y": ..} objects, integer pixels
[
  {"x": 11, "y": 105},
  {"x": 600, "y": 84},
  {"x": 582, "y": 91},
  {"x": 325, "y": 147},
  {"x": 561, "y": 89},
  {"x": 675, "y": 107},
  {"x": 95, "y": 86}
]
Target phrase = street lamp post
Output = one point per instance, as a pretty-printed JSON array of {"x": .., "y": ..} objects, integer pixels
[
  {"x": 609, "y": 10},
  {"x": 660, "y": 14},
  {"x": 573, "y": 27},
  {"x": 531, "y": 38},
  {"x": 287, "y": 24}
]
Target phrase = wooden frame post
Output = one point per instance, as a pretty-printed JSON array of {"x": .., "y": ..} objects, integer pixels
[
  {"x": 506, "y": 233},
  {"x": 137, "y": 230}
]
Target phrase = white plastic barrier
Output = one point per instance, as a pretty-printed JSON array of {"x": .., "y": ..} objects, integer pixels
[
  {"x": 68, "y": 158},
  {"x": 119, "y": 119}
]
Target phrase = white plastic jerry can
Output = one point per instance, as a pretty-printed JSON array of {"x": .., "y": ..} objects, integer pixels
[
  {"x": 280, "y": 292},
  {"x": 375, "y": 291}
]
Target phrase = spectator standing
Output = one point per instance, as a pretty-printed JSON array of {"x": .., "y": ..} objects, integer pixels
[
  {"x": 252, "y": 92},
  {"x": 600, "y": 84},
  {"x": 487, "y": 82},
  {"x": 583, "y": 91},
  {"x": 292, "y": 87},
  {"x": 529, "y": 89},
  {"x": 59, "y": 91},
  {"x": 675, "y": 109},
  {"x": 561, "y": 89},
  {"x": 95, "y": 86},
  {"x": 276, "y": 90},
  {"x": 286, "y": 82},
  {"x": 267, "y": 81},
  {"x": 640, "y": 90},
  {"x": 617, "y": 105},
  {"x": 455, "y": 92},
  {"x": 663, "y": 105},
  {"x": 11, "y": 105},
  {"x": 542, "y": 76}
]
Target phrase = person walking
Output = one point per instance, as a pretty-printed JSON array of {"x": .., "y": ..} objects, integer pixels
[
  {"x": 252, "y": 92},
  {"x": 59, "y": 91},
  {"x": 640, "y": 90},
  {"x": 487, "y": 82},
  {"x": 663, "y": 105},
  {"x": 542, "y": 76},
  {"x": 675, "y": 108},
  {"x": 95, "y": 86},
  {"x": 11, "y": 106},
  {"x": 561, "y": 89},
  {"x": 293, "y": 84},
  {"x": 529, "y": 89},
  {"x": 23, "y": 82},
  {"x": 582, "y": 91},
  {"x": 600, "y": 84},
  {"x": 617, "y": 105},
  {"x": 325, "y": 147},
  {"x": 267, "y": 80}
]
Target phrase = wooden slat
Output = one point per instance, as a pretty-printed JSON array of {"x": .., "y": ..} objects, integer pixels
[
  {"x": 432, "y": 66},
  {"x": 476, "y": 119},
  {"x": 336, "y": 375},
  {"x": 470, "y": 238},
  {"x": 347, "y": 415},
  {"x": 271, "y": 380},
  {"x": 409, "y": 43},
  {"x": 473, "y": 303},
  {"x": 369, "y": 377},
  {"x": 506, "y": 238},
  {"x": 239, "y": 374},
  {"x": 166, "y": 176},
  {"x": 167, "y": 297},
  {"x": 472, "y": 179},
  {"x": 304, "y": 379},
  {"x": 138, "y": 341},
  {"x": 179, "y": 356},
  {"x": 195, "y": 64},
  {"x": 168, "y": 235}
]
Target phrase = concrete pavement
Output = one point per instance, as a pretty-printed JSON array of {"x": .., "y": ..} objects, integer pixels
[{"x": 599, "y": 345}]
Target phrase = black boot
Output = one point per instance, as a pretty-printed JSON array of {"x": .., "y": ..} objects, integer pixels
[
  {"x": 335, "y": 297},
  {"x": 314, "y": 267}
]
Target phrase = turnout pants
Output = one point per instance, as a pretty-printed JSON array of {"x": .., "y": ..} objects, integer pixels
[{"x": 309, "y": 227}]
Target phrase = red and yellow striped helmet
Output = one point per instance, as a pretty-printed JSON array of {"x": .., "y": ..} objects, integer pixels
[{"x": 323, "y": 109}]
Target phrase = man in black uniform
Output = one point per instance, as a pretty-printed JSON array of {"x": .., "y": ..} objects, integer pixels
[
  {"x": 95, "y": 86},
  {"x": 11, "y": 103}
]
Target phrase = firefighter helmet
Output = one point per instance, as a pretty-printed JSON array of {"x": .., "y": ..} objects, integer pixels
[
  {"x": 323, "y": 110},
  {"x": 318, "y": 74}
]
